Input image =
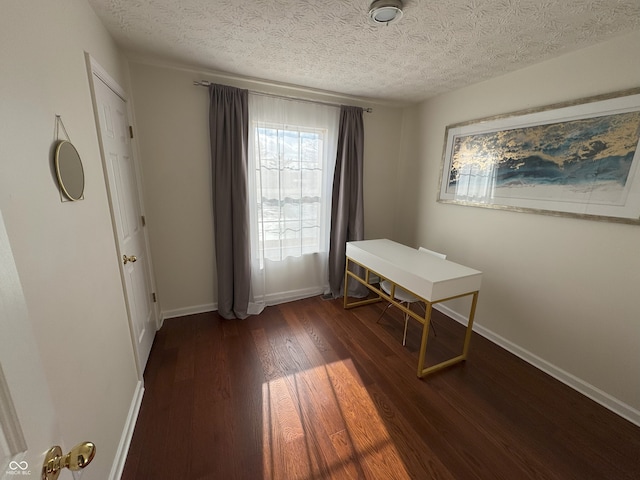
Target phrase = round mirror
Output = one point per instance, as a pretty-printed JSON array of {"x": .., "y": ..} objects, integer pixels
[{"x": 69, "y": 170}]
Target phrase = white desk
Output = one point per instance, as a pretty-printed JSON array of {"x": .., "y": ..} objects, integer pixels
[{"x": 428, "y": 277}]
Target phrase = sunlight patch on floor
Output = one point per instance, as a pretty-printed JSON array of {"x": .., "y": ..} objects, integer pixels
[{"x": 323, "y": 419}]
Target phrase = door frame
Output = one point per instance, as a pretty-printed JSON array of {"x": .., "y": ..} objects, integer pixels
[{"x": 94, "y": 68}]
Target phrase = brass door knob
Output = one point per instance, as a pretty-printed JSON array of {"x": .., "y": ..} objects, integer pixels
[
  {"x": 78, "y": 458},
  {"x": 131, "y": 259}
]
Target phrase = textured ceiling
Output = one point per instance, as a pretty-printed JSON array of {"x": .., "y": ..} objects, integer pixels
[{"x": 438, "y": 45}]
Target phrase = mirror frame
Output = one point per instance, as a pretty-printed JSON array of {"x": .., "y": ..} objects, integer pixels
[{"x": 75, "y": 164}]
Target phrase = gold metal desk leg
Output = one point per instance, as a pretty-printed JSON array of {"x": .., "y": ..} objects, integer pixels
[
  {"x": 425, "y": 337},
  {"x": 452, "y": 361},
  {"x": 467, "y": 337},
  {"x": 346, "y": 283}
]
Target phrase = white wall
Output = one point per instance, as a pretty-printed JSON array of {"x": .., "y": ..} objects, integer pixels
[
  {"x": 172, "y": 118},
  {"x": 64, "y": 252},
  {"x": 561, "y": 289}
]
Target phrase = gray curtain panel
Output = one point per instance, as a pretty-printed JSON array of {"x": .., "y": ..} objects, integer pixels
[
  {"x": 229, "y": 129},
  {"x": 347, "y": 206}
]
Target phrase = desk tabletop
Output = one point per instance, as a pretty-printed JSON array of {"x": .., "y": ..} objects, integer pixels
[{"x": 421, "y": 273}]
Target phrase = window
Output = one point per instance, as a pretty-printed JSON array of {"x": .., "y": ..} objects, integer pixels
[
  {"x": 292, "y": 152},
  {"x": 289, "y": 181}
]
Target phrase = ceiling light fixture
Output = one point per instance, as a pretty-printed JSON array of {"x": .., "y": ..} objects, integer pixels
[{"x": 385, "y": 12}]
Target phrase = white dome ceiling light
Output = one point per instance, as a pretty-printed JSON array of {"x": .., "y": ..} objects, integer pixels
[{"x": 385, "y": 12}]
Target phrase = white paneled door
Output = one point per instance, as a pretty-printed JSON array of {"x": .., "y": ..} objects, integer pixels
[
  {"x": 28, "y": 424},
  {"x": 125, "y": 200}
]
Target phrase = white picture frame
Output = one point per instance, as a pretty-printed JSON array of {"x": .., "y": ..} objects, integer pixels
[{"x": 579, "y": 159}]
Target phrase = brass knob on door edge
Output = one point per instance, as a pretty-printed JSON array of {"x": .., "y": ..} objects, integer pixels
[
  {"x": 131, "y": 259},
  {"x": 79, "y": 457}
]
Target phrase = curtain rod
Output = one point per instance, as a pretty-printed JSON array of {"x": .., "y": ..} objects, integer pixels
[{"x": 205, "y": 83}]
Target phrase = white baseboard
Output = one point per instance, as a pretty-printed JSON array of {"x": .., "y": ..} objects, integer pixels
[
  {"x": 293, "y": 295},
  {"x": 127, "y": 433},
  {"x": 181, "y": 312},
  {"x": 595, "y": 394},
  {"x": 270, "y": 300}
]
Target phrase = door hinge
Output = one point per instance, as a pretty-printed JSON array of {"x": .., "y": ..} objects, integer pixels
[
  {"x": 153, "y": 296},
  {"x": 130, "y": 131},
  {"x": 144, "y": 221}
]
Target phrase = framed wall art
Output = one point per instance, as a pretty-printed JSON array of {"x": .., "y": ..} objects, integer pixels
[{"x": 578, "y": 159}]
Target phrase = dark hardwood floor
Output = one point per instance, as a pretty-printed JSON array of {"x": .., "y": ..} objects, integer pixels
[{"x": 308, "y": 390}]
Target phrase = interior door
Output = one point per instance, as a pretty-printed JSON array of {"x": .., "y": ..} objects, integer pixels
[
  {"x": 125, "y": 201},
  {"x": 28, "y": 426}
]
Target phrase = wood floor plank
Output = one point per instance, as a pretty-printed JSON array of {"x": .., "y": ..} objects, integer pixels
[
  {"x": 308, "y": 390},
  {"x": 346, "y": 465},
  {"x": 283, "y": 365},
  {"x": 420, "y": 460},
  {"x": 563, "y": 416},
  {"x": 378, "y": 454},
  {"x": 245, "y": 433},
  {"x": 424, "y": 408},
  {"x": 322, "y": 422}
]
